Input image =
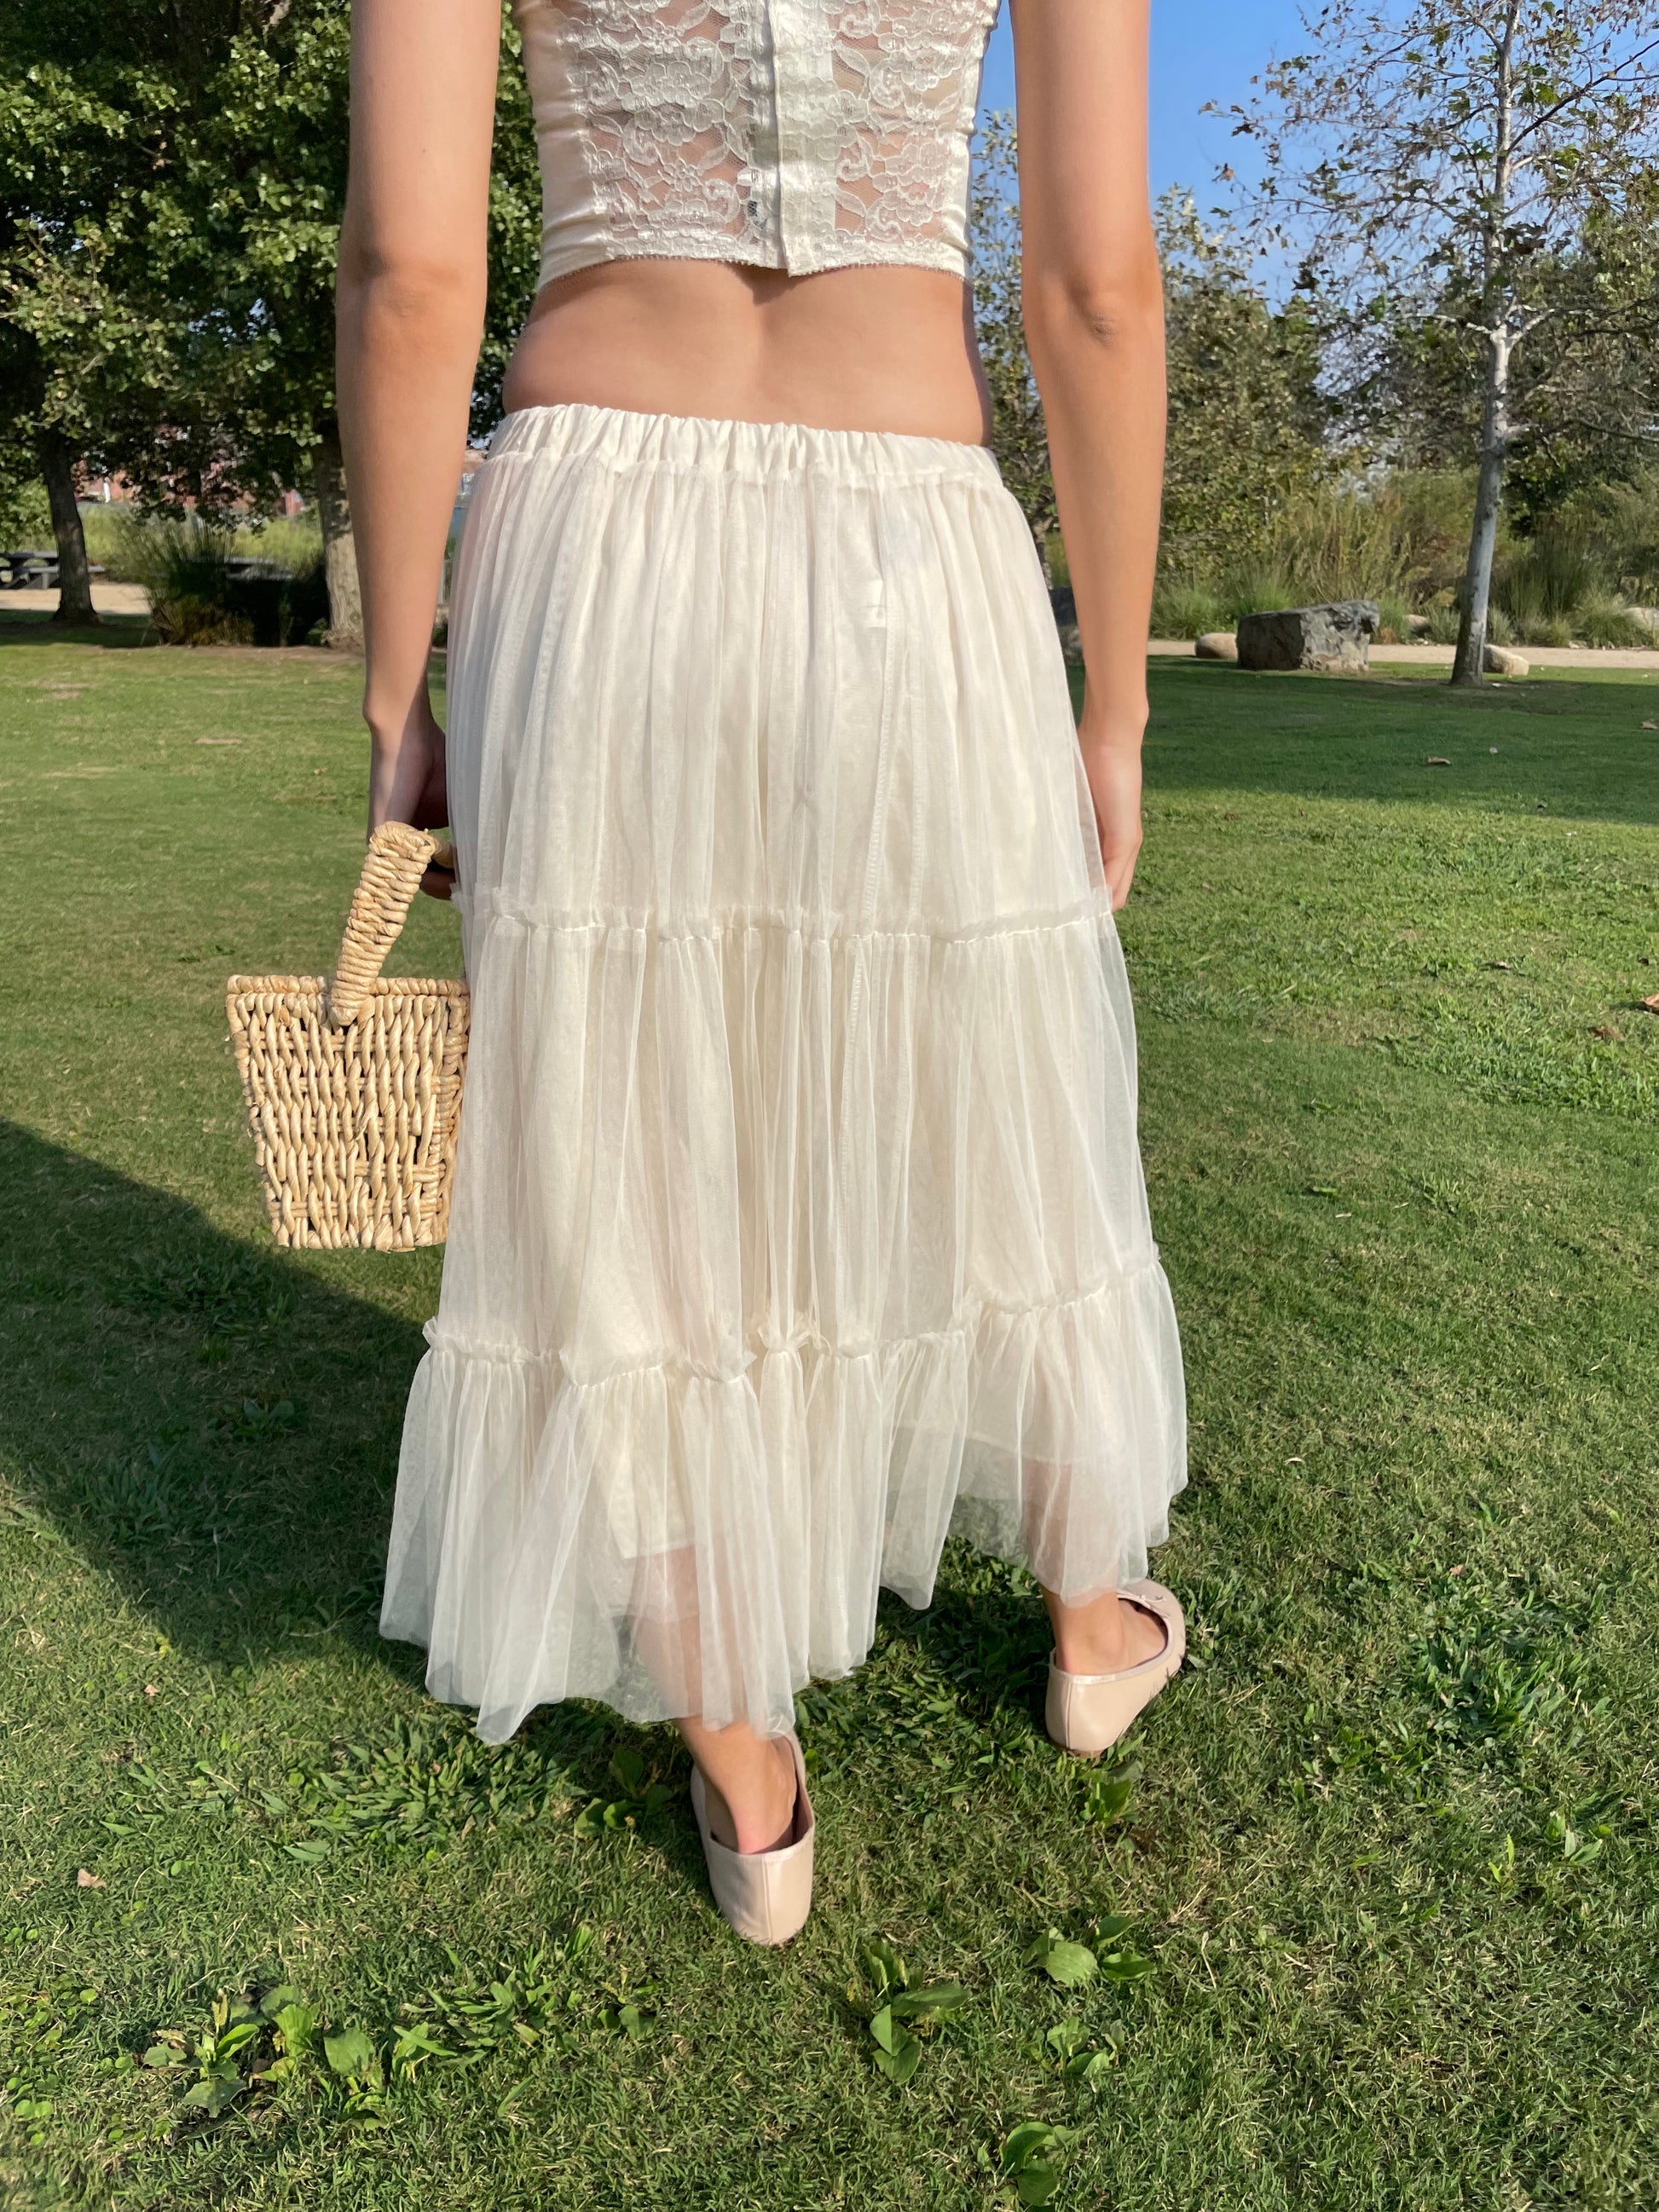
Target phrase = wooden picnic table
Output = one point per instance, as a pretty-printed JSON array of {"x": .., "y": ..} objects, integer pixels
[{"x": 34, "y": 568}]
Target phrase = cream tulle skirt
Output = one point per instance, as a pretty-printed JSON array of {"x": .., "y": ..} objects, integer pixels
[{"x": 799, "y": 1209}]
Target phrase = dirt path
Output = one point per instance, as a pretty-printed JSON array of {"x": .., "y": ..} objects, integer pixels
[{"x": 1440, "y": 656}]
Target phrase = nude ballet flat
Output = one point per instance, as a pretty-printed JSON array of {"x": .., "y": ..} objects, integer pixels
[
  {"x": 1087, "y": 1713},
  {"x": 765, "y": 1895}
]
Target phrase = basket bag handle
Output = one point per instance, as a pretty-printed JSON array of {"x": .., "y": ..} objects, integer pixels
[{"x": 398, "y": 857}]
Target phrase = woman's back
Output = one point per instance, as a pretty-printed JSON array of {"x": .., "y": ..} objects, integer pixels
[
  {"x": 705, "y": 167},
  {"x": 851, "y": 349}
]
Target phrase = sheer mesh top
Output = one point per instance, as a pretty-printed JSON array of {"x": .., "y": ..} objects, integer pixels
[{"x": 794, "y": 134}]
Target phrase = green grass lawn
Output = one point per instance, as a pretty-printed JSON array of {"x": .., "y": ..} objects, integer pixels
[{"x": 1378, "y": 1907}]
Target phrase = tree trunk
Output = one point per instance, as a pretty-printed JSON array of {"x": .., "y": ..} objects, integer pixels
[
  {"x": 56, "y": 460},
  {"x": 1470, "y": 665},
  {"x": 345, "y": 603}
]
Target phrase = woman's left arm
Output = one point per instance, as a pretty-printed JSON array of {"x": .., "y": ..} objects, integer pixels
[{"x": 410, "y": 304}]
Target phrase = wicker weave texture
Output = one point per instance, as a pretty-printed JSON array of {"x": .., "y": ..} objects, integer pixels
[{"x": 353, "y": 1086}]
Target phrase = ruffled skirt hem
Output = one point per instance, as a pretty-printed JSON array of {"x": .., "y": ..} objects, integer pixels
[{"x": 672, "y": 1540}]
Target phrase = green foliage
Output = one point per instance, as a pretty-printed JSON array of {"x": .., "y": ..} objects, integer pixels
[
  {"x": 1247, "y": 423},
  {"x": 184, "y": 566},
  {"x": 25, "y": 516},
  {"x": 1553, "y": 589},
  {"x": 1076, "y": 2057},
  {"x": 1019, "y": 436},
  {"x": 1111, "y": 1793},
  {"x": 195, "y": 596},
  {"x": 171, "y": 187},
  {"x": 1396, "y": 538},
  {"x": 902, "y": 2015},
  {"x": 1034, "y": 2158},
  {"x": 640, "y": 1798},
  {"x": 294, "y": 546},
  {"x": 1071, "y": 1965}
]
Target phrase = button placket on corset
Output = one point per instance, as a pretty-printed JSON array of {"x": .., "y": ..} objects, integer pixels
[
  {"x": 804, "y": 79},
  {"x": 760, "y": 170}
]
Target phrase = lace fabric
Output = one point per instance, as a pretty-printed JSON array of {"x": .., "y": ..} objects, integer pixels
[{"x": 799, "y": 135}]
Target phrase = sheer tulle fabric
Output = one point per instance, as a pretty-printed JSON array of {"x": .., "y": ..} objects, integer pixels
[{"x": 798, "y": 1212}]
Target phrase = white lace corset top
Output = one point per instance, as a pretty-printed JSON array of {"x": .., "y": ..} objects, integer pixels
[{"x": 796, "y": 134}]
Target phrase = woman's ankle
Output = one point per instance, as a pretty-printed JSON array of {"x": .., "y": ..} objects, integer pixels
[
  {"x": 1103, "y": 1637},
  {"x": 749, "y": 1784}
]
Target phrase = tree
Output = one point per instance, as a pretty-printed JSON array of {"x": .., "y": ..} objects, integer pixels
[
  {"x": 172, "y": 176},
  {"x": 1248, "y": 423},
  {"x": 83, "y": 127},
  {"x": 1466, "y": 176},
  {"x": 1019, "y": 436},
  {"x": 254, "y": 231}
]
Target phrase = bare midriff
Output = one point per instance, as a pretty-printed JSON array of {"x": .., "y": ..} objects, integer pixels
[{"x": 862, "y": 349}]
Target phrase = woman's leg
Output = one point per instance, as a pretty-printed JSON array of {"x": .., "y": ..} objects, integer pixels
[
  {"x": 750, "y": 1781},
  {"x": 1103, "y": 1635},
  {"x": 750, "y": 1778}
]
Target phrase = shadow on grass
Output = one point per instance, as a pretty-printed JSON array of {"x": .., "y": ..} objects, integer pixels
[
  {"x": 209, "y": 1422},
  {"x": 21, "y": 626},
  {"x": 216, "y": 1426},
  {"x": 1546, "y": 745}
]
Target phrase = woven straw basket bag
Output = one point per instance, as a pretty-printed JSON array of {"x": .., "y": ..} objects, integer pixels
[{"x": 353, "y": 1087}]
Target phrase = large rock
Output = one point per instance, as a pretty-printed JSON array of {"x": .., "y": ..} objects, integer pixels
[
  {"x": 1336, "y": 638},
  {"x": 1500, "y": 661},
  {"x": 1216, "y": 645}
]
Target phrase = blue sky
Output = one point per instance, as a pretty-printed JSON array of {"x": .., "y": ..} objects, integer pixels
[{"x": 1202, "y": 49}]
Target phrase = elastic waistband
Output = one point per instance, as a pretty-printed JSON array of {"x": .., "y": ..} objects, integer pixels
[{"x": 621, "y": 438}]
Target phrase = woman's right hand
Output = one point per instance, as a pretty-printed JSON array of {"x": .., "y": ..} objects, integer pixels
[{"x": 407, "y": 783}]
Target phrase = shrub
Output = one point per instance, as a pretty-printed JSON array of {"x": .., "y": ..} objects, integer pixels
[
  {"x": 1256, "y": 587},
  {"x": 1600, "y": 619},
  {"x": 184, "y": 566},
  {"x": 1187, "y": 610},
  {"x": 1394, "y": 619},
  {"x": 1546, "y": 580},
  {"x": 1531, "y": 629},
  {"x": 197, "y": 599},
  {"x": 24, "y": 515}
]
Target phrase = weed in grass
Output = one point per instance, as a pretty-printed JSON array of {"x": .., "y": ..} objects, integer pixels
[
  {"x": 1034, "y": 2158},
  {"x": 1078, "y": 2058},
  {"x": 1111, "y": 1793},
  {"x": 639, "y": 1799},
  {"x": 903, "y": 2016},
  {"x": 1496, "y": 1667}
]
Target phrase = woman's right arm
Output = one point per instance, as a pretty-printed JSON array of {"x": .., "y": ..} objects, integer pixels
[
  {"x": 410, "y": 304},
  {"x": 1094, "y": 323}
]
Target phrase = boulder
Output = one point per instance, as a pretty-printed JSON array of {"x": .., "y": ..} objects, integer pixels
[
  {"x": 1499, "y": 660},
  {"x": 1064, "y": 602},
  {"x": 1216, "y": 644},
  {"x": 1336, "y": 637}
]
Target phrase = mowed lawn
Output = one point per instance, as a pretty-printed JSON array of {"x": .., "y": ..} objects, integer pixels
[{"x": 1369, "y": 1906}]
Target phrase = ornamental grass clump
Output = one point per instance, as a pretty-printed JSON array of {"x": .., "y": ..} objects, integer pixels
[{"x": 183, "y": 568}]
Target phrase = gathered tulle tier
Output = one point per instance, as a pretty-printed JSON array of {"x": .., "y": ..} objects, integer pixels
[
  {"x": 799, "y": 1214},
  {"x": 767, "y": 1505}
]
